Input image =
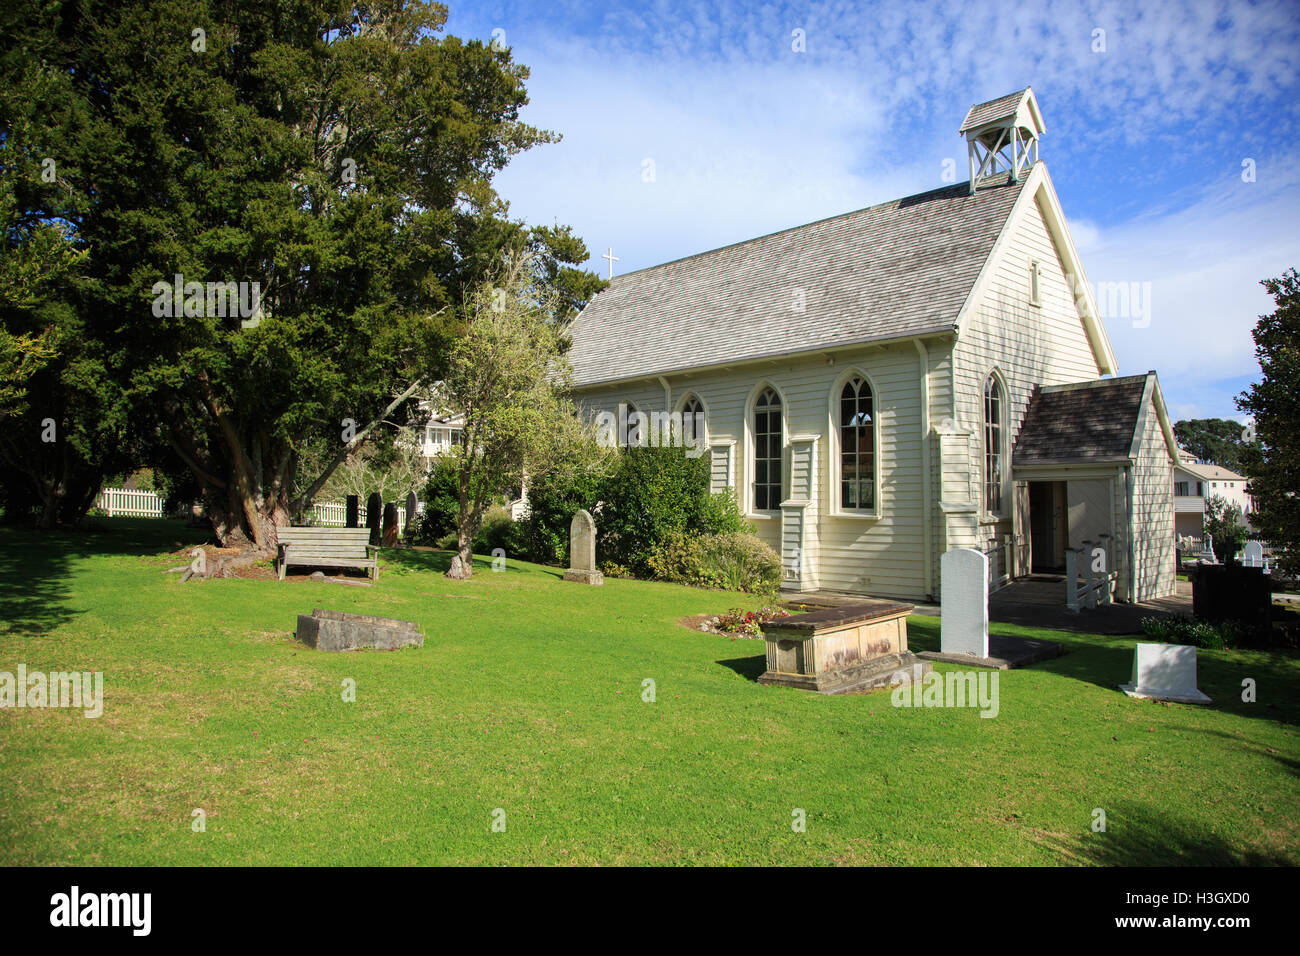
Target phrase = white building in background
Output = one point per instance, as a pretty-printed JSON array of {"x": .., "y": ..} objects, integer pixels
[
  {"x": 1195, "y": 482},
  {"x": 441, "y": 431}
]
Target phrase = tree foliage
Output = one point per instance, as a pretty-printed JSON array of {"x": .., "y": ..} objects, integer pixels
[
  {"x": 338, "y": 155},
  {"x": 1272, "y": 461},
  {"x": 507, "y": 380},
  {"x": 1216, "y": 440}
]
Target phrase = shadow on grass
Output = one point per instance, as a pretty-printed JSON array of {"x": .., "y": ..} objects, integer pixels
[
  {"x": 750, "y": 668},
  {"x": 1143, "y": 835},
  {"x": 408, "y": 559},
  {"x": 1107, "y": 661},
  {"x": 35, "y": 594}
]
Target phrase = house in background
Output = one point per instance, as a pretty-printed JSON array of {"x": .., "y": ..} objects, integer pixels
[
  {"x": 882, "y": 386},
  {"x": 441, "y": 431},
  {"x": 1195, "y": 482}
]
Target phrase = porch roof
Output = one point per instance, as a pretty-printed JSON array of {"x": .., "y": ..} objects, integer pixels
[{"x": 1081, "y": 422}]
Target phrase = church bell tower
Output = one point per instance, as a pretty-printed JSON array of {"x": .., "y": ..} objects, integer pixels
[{"x": 1002, "y": 137}]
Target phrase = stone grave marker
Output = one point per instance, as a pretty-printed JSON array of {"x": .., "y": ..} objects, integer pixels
[
  {"x": 582, "y": 551},
  {"x": 390, "y": 525},
  {"x": 1165, "y": 672},
  {"x": 411, "y": 508},
  {"x": 1252, "y": 555},
  {"x": 353, "y": 515},
  {"x": 374, "y": 517},
  {"x": 964, "y": 619}
]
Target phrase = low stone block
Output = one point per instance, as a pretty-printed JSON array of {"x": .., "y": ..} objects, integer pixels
[
  {"x": 338, "y": 631},
  {"x": 1165, "y": 672},
  {"x": 584, "y": 577},
  {"x": 858, "y": 647}
]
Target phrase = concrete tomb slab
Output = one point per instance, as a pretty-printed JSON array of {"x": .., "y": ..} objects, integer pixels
[{"x": 339, "y": 631}]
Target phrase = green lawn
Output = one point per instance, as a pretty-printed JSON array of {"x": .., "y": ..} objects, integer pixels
[{"x": 527, "y": 697}]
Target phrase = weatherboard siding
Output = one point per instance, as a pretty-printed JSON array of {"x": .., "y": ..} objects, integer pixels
[
  {"x": 879, "y": 555},
  {"x": 1153, "y": 510},
  {"x": 1028, "y": 345}
]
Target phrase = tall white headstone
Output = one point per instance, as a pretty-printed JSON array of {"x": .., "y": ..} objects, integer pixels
[
  {"x": 1252, "y": 555},
  {"x": 964, "y": 624},
  {"x": 1165, "y": 672}
]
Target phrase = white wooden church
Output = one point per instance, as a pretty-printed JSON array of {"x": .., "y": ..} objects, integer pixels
[{"x": 882, "y": 386}]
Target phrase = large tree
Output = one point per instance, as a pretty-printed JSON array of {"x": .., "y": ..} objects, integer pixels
[
  {"x": 1272, "y": 461},
  {"x": 1212, "y": 439},
  {"x": 339, "y": 155}
]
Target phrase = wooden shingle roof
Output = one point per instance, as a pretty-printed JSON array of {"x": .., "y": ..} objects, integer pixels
[
  {"x": 1094, "y": 420},
  {"x": 894, "y": 270},
  {"x": 1002, "y": 107}
]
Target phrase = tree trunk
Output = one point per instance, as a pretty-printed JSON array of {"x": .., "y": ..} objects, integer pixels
[{"x": 462, "y": 563}]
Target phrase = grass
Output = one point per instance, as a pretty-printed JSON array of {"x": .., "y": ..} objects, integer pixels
[{"x": 527, "y": 697}]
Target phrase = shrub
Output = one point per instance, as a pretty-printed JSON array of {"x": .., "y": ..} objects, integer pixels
[
  {"x": 680, "y": 558},
  {"x": 654, "y": 493},
  {"x": 741, "y": 562},
  {"x": 735, "y": 561},
  {"x": 552, "y": 502},
  {"x": 498, "y": 530},
  {"x": 1181, "y": 629},
  {"x": 441, "y": 505}
]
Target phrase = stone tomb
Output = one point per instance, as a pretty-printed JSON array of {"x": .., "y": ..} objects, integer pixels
[
  {"x": 338, "y": 631},
  {"x": 841, "y": 649},
  {"x": 582, "y": 551},
  {"x": 1165, "y": 672}
]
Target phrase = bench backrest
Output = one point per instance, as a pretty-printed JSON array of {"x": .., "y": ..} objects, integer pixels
[{"x": 332, "y": 542}]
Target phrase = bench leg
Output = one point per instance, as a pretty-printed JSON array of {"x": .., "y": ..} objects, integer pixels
[{"x": 282, "y": 565}]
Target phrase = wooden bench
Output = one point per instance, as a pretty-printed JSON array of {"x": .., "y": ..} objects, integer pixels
[{"x": 328, "y": 548}]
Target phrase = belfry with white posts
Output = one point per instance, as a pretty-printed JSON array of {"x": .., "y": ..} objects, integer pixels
[{"x": 1002, "y": 137}]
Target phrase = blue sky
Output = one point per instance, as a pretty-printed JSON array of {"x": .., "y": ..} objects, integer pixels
[{"x": 1145, "y": 139}]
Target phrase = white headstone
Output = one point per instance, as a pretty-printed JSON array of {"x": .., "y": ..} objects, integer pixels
[
  {"x": 1165, "y": 672},
  {"x": 964, "y": 621},
  {"x": 1207, "y": 552},
  {"x": 1252, "y": 555}
]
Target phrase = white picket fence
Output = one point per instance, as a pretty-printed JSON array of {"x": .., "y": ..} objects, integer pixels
[
  {"x": 334, "y": 514},
  {"x": 136, "y": 503},
  {"x": 130, "y": 503}
]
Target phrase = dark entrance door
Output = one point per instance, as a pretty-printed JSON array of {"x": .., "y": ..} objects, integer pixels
[{"x": 1047, "y": 526}]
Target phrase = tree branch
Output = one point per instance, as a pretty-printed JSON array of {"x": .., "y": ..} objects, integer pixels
[{"x": 358, "y": 440}]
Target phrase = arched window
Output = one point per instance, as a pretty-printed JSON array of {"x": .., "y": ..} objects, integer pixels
[
  {"x": 693, "y": 421},
  {"x": 857, "y": 445},
  {"x": 767, "y": 451},
  {"x": 993, "y": 409}
]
